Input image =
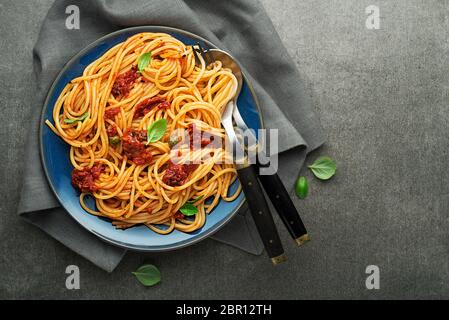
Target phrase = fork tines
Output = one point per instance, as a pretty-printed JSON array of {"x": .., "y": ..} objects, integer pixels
[{"x": 200, "y": 50}]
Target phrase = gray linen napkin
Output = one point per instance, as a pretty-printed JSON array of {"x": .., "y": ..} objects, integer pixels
[{"x": 240, "y": 26}]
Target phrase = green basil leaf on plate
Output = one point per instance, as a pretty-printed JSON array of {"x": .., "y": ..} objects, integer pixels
[
  {"x": 148, "y": 275},
  {"x": 156, "y": 130},
  {"x": 143, "y": 61},
  {"x": 188, "y": 209},
  {"x": 82, "y": 118},
  {"x": 323, "y": 168}
]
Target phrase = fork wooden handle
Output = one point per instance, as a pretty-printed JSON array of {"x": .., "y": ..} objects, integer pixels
[
  {"x": 284, "y": 206},
  {"x": 261, "y": 213}
]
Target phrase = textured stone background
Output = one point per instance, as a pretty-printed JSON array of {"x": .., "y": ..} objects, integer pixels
[{"x": 382, "y": 96}]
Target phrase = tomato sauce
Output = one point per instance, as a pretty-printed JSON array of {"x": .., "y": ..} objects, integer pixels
[
  {"x": 148, "y": 104},
  {"x": 124, "y": 82},
  {"x": 84, "y": 180},
  {"x": 179, "y": 215},
  {"x": 134, "y": 147},
  {"x": 111, "y": 113},
  {"x": 177, "y": 174},
  {"x": 196, "y": 137},
  {"x": 112, "y": 130}
]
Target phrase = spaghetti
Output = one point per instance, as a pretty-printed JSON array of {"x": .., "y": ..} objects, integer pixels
[{"x": 107, "y": 116}]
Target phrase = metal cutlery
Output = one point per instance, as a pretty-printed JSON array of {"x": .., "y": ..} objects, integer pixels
[
  {"x": 247, "y": 175},
  {"x": 272, "y": 184},
  {"x": 278, "y": 194}
]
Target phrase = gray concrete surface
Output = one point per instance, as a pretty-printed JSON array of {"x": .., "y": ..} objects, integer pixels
[{"x": 382, "y": 96}]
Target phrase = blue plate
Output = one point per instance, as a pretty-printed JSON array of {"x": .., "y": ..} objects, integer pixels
[{"x": 57, "y": 167}]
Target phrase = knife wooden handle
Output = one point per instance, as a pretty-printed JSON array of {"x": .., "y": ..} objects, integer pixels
[
  {"x": 284, "y": 206},
  {"x": 261, "y": 213}
]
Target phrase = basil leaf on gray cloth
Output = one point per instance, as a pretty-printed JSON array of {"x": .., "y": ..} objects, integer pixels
[{"x": 240, "y": 26}]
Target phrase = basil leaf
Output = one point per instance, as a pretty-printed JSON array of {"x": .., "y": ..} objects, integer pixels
[
  {"x": 195, "y": 200},
  {"x": 143, "y": 61},
  {"x": 84, "y": 116},
  {"x": 188, "y": 209},
  {"x": 323, "y": 168},
  {"x": 115, "y": 140},
  {"x": 156, "y": 130},
  {"x": 148, "y": 275},
  {"x": 302, "y": 187}
]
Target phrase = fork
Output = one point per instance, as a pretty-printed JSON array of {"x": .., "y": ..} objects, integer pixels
[
  {"x": 272, "y": 184},
  {"x": 247, "y": 175}
]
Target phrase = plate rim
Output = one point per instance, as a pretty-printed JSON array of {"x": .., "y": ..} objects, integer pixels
[{"x": 83, "y": 51}]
